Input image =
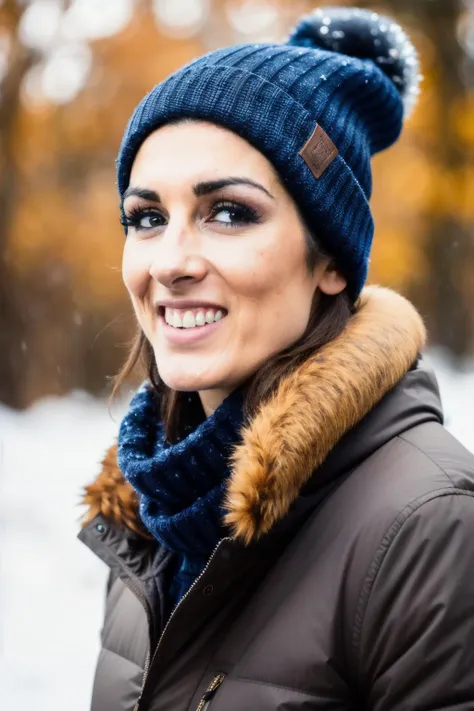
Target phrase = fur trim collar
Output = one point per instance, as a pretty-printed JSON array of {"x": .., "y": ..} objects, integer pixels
[{"x": 292, "y": 434}]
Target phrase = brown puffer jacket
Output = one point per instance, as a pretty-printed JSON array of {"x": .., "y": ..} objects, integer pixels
[{"x": 348, "y": 579}]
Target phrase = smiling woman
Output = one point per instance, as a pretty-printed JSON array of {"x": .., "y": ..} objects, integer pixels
[
  {"x": 287, "y": 523},
  {"x": 208, "y": 239}
]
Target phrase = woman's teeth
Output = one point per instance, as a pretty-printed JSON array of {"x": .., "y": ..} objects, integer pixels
[{"x": 190, "y": 319}]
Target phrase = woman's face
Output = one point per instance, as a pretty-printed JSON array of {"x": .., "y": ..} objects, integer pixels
[{"x": 215, "y": 259}]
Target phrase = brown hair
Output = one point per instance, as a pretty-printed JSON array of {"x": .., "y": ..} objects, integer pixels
[{"x": 328, "y": 318}]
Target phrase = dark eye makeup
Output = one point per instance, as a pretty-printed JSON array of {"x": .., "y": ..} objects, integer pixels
[
  {"x": 238, "y": 213},
  {"x": 234, "y": 214},
  {"x": 136, "y": 217}
]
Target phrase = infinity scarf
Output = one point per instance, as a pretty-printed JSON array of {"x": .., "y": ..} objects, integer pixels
[{"x": 180, "y": 486}]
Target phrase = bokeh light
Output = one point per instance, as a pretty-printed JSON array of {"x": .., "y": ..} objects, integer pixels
[{"x": 181, "y": 18}]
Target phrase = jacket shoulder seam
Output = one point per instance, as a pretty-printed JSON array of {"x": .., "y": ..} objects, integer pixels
[
  {"x": 384, "y": 547},
  {"x": 425, "y": 454}
]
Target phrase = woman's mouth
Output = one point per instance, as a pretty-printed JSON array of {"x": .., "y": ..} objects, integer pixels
[{"x": 190, "y": 325}]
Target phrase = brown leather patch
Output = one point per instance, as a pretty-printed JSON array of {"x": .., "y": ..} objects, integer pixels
[{"x": 318, "y": 152}]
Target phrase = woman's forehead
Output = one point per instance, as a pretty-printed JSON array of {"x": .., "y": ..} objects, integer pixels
[{"x": 193, "y": 152}]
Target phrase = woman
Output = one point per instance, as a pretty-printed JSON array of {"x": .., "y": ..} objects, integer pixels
[{"x": 287, "y": 523}]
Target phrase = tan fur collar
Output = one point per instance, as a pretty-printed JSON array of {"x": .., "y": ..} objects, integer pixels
[{"x": 293, "y": 433}]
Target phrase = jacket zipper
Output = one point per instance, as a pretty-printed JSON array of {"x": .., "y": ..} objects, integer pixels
[
  {"x": 150, "y": 659},
  {"x": 210, "y": 691}
]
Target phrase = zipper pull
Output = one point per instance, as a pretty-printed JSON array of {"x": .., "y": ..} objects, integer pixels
[{"x": 210, "y": 691}]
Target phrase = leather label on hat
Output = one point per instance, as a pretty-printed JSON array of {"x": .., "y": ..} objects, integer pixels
[{"x": 318, "y": 152}]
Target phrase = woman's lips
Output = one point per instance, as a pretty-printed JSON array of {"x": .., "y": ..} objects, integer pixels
[{"x": 188, "y": 335}]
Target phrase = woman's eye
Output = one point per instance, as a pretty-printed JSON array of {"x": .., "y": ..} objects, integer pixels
[
  {"x": 233, "y": 214},
  {"x": 144, "y": 220},
  {"x": 149, "y": 221}
]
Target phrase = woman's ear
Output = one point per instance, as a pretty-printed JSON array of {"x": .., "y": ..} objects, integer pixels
[{"x": 331, "y": 281}]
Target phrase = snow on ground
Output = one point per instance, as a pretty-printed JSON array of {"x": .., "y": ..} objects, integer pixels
[
  {"x": 51, "y": 585},
  {"x": 457, "y": 393}
]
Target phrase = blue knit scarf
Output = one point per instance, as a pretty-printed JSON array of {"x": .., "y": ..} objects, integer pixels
[{"x": 180, "y": 486}]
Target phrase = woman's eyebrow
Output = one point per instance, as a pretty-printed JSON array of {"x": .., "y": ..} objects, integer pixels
[
  {"x": 212, "y": 186},
  {"x": 201, "y": 189},
  {"x": 141, "y": 192}
]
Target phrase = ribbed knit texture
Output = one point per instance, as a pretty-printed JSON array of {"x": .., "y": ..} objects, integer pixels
[
  {"x": 180, "y": 486},
  {"x": 274, "y": 95}
]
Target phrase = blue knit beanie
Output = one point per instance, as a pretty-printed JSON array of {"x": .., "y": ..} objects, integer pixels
[{"x": 318, "y": 107}]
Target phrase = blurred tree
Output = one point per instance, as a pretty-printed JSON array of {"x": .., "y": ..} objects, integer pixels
[
  {"x": 440, "y": 280},
  {"x": 11, "y": 317},
  {"x": 449, "y": 243}
]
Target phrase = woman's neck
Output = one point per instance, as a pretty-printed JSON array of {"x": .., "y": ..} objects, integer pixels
[{"x": 211, "y": 399}]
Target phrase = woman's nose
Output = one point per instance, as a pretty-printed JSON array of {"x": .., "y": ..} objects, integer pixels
[{"x": 178, "y": 258}]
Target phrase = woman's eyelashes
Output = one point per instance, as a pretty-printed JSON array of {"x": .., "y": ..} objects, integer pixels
[
  {"x": 225, "y": 213},
  {"x": 233, "y": 214},
  {"x": 143, "y": 218}
]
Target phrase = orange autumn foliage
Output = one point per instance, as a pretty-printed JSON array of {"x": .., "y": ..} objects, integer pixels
[{"x": 62, "y": 246}]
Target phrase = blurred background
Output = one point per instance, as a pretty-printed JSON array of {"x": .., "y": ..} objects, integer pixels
[{"x": 71, "y": 72}]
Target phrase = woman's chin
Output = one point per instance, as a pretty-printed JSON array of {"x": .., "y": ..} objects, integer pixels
[
  {"x": 182, "y": 381},
  {"x": 190, "y": 372}
]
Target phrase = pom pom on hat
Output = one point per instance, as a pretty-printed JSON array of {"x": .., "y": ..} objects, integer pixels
[{"x": 366, "y": 35}]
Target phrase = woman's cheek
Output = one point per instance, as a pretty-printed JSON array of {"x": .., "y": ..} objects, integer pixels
[
  {"x": 135, "y": 272},
  {"x": 250, "y": 271}
]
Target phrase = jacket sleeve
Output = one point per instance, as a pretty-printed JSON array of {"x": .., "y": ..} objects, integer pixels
[{"x": 415, "y": 634}]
